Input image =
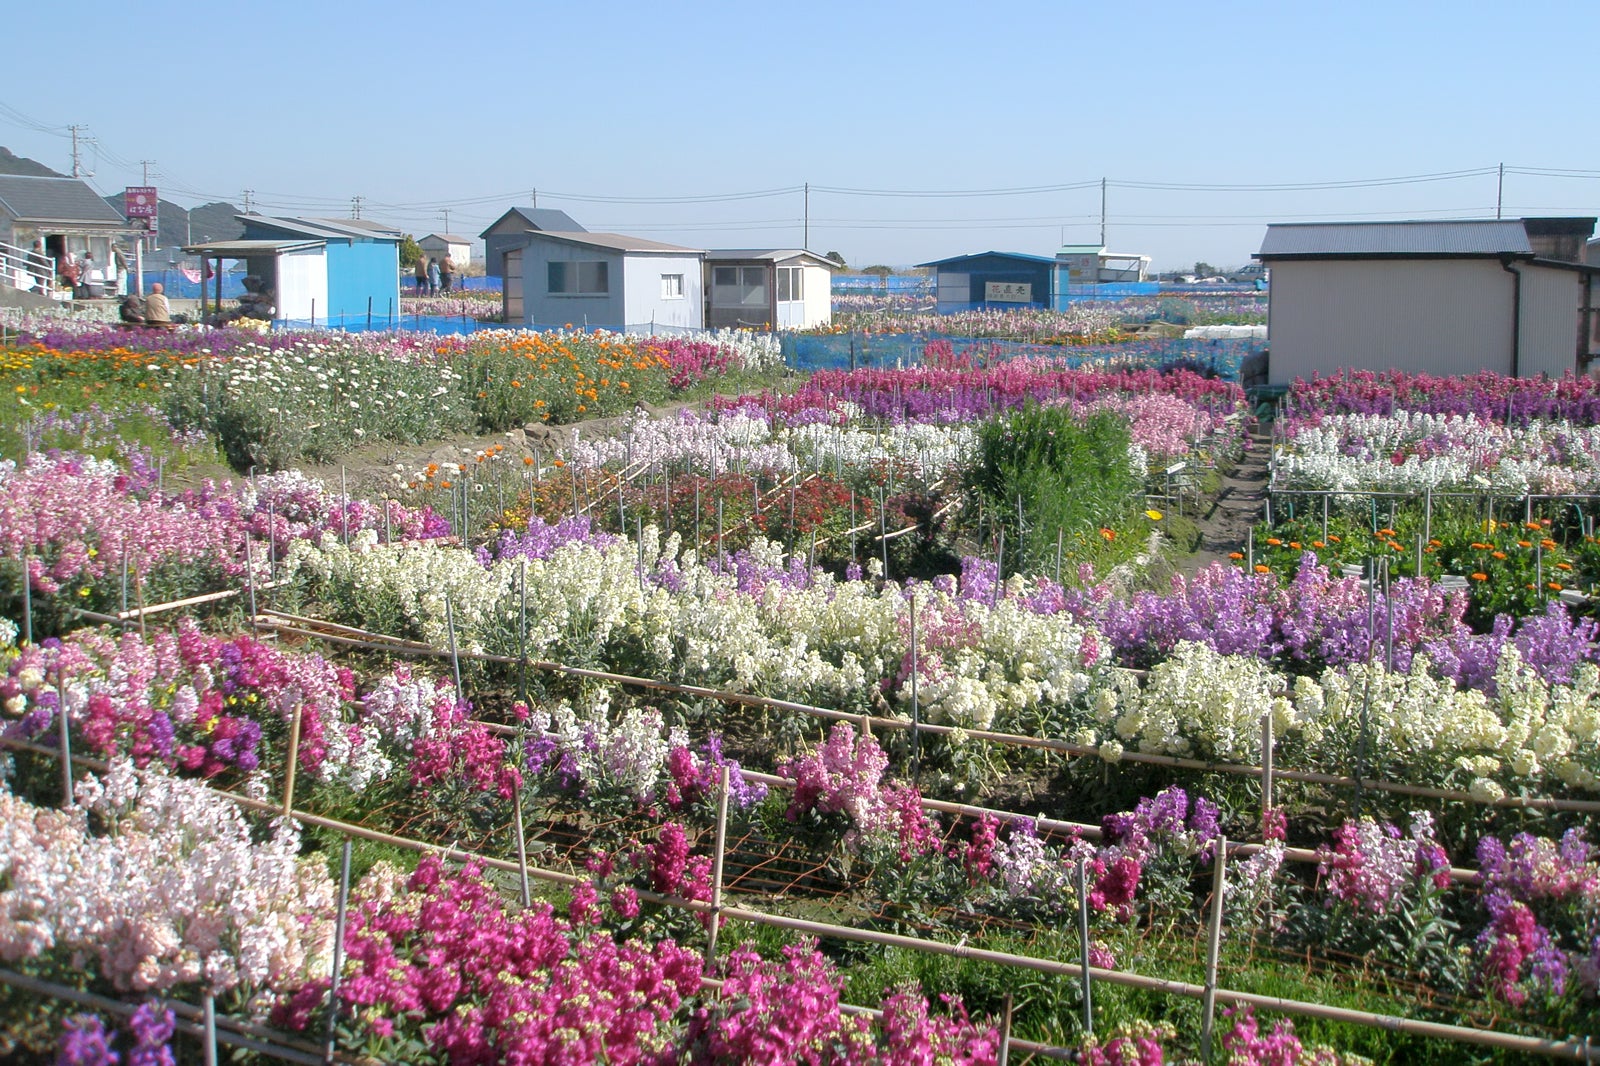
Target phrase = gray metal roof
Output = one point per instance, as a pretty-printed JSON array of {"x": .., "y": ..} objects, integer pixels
[
  {"x": 242, "y": 249},
  {"x": 616, "y": 242},
  {"x": 448, "y": 238},
  {"x": 322, "y": 228},
  {"x": 776, "y": 255},
  {"x": 1474, "y": 237},
  {"x": 541, "y": 218},
  {"x": 55, "y": 200}
]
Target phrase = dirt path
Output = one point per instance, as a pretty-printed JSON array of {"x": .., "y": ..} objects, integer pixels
[{"x": 1234, "y": 509}]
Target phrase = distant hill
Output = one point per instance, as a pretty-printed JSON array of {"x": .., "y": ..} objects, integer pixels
[{"x": 21, "y": 164}]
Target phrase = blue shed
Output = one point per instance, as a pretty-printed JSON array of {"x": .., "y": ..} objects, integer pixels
[
  {"x": 362, "y": 260},
  {"x": 993, "y": 279}
]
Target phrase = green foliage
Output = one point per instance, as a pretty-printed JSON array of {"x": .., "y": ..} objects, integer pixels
[
  {"x": 1068, "y": 476},
  {"x": 410, "y": 251}
]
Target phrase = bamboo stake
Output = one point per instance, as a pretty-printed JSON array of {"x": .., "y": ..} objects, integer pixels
[
  {"x": 27, "y": 601},
  {"x": 1003, "y": 1058},
  {"x": 294, "y": 759},
  {"x": 1266, "y": 767},
  {"x": 208, "y": 1009},
  {"x": 65, "y": 729},
  {"x": 1208, "y": 1007},
  {"x": 455, "y": 654}
]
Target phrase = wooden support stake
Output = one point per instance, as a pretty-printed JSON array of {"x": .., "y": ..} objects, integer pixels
[
  {"x": 1208, "y": 1000},
  {"x": 208, "y": 1041},
  {"x": 66, "y": 737},
  {"x": 455, "y": 655},
  {"x": 294, "y": 759},
  {"x": 27, "y": 601},
  {"x": 1266, "y": 767},
  {"x": 1003, "y": 1058}
]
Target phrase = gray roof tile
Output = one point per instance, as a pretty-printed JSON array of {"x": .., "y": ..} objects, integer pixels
[{"x": 55, "y": 199}]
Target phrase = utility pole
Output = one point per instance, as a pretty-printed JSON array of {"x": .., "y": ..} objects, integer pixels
[
  {"x": 355, "y": 206},
  {"x": 77, "y": 165},
  {"x": 146, "y": 163},
  {"x": 805, "y": 240},
  {"x": 1102, "y": 214},
  {"x": 247, "y": 194},
  {"x": 536, "y": 199},
  {"x": 1500, "y": 191},
  {"x": 446, "y": 218}
]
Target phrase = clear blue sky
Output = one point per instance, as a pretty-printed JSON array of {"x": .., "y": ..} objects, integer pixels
[{"x": 418, "y": 107}]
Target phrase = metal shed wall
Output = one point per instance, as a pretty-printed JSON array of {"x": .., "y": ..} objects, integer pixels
[
  {"x": 1551, "y": 302},
  {"x": 643, "y": 303},
  {"x": 962, "y": 283},
  {"x": 541, "y": 307},
  {"x": 1436, "y": 316}
]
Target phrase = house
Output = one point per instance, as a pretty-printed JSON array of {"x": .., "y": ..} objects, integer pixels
[
  {"x": 508, "y": 230},
  {"x": 603, "y": 279},
  {"x": 993, "y": 279},
  {"x": 439, "y": 245},
  {"x": 51, "y": 217},
  {"x": 1442, "y": 297},
  {"x": 768, "y": 288},
  {"x": 320, "y": 270}
]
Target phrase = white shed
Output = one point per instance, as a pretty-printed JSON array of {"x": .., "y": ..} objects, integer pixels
[
  {"x": 439, "y": 245},
  {"x": 1438, "y": 297},
  {"x": 603, "y": 279},
  {"x": 768, "y": 288}
]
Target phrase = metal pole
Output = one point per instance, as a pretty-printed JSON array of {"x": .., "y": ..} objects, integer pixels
[
  {"x": 1266, "y": 767},
  {"x": 338, "y": 948},
  {"x": 27, "y": 601},
  {"x": 208, "y": 1014},
  {"x": 455, "y": 656},
  {"x": 522, "y": 853},
  {"x": 916, "y": 717},
  {"x": 716, "y": 868},
  {"x": 1003, "y": 1058},
  {"x": 522, "y": 631},
  {"x": 1208, "y": 1001},
  {"x": 1059, "y": 533},
  {"x": 65, "y": 728},
  {"x": 1083, "y": 947}
]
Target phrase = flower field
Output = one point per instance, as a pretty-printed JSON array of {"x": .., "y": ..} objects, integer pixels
[{"x": 867, "y": 718}]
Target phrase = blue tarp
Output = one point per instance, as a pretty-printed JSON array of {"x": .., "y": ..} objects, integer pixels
[{"x": 842, "y": 351}]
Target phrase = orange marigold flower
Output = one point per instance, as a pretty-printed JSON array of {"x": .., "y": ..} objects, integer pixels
[
  {"x": 1295, "y": 545},
  {"x": 1318, "y": 544},
  {"x": 1498, "y": 555},
  {"x": 1524, "y": 543},
  {"x": 1553, "y": 586},
  {"x": 1480, "y": 576},
  {"x": 1263, "y": 568},
  {"x": 1274, "y": 541},
  {"x": 1236, "y": 555}
]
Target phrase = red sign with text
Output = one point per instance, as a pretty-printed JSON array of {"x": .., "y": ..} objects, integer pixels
[{"x": 139, "y": 201}]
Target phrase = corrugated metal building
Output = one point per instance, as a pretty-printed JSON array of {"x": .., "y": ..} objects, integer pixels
[
  {"x": 993, "y": 279},
  {"x": 607, "y": 280},
  {"x": 768, "y": 288},
  {"x": 1439, "y": 297},
  {"x": 509, "y": 232},
  {"x": 323, "y": 270}
]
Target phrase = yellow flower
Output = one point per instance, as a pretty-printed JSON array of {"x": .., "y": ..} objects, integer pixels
[{"x": 1153, "y": 515}]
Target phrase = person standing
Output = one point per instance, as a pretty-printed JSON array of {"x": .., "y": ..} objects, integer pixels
[
  {"x": 447, "y": 272},
  {"x": 157, "y": 312},
  {"x": 422, "y": 275},
  {"x": 433, "y": 276}
]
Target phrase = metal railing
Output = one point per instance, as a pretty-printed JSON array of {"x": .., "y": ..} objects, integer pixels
[{"x": 27, "y": 270}]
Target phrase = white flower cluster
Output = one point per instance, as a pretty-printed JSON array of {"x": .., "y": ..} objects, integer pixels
[
  {"x": 1410, "y": 451},
  {"x": 1199, "y": 703},
  {"x": 737, "y": 440},
  {"x": 927, "y": 451},
  {"x": 626, "y": 757},
  {"x": 174, "y": 894}
]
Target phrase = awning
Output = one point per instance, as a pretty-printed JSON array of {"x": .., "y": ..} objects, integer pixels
[{"x": 249, "y": 249}]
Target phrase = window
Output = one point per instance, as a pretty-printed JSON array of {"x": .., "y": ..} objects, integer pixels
[
  {"x": 672, "y": 286},
  {"x": 739, "y": 286},
  {"x": 580, "y": 279},
  {"x": 791, "y": 284}
]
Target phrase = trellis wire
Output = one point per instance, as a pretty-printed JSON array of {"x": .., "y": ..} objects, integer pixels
[{"x": 363, "y": 638}]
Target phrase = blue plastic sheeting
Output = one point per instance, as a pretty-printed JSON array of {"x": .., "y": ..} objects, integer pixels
[
  {"x": 896, "y": 284},
  {"x": 408, "y": 284},
  {"x": 844, "y": 351},
  {"x": 179, "y": 287},
  {"x": 1109, "y": 290},
  {"x": 382, "y": 323}
]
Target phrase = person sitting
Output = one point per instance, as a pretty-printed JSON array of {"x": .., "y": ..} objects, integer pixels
[
  {"x": 132, "y": 311},
  {"x": 157, "y": 312}
]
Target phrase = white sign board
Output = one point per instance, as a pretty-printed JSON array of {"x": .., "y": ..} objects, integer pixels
[{"x": 1008, "y": 292}]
